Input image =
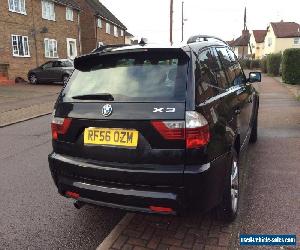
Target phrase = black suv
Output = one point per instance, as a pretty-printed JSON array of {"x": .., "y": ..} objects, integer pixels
[{"x": 155, "y": 129}]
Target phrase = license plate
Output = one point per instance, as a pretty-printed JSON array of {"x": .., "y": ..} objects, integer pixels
[{"x": 111, "y": 137}]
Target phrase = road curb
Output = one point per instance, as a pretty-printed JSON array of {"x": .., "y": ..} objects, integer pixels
[
  {"x": 24, "y": 120},
  {"x": 115, "y": 233}
]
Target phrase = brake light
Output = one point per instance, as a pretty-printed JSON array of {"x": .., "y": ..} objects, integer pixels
[
  {"x": 59, "y": 126},
  {"x": 197, "y": 130},
  {"x": 194, "y": 130}
]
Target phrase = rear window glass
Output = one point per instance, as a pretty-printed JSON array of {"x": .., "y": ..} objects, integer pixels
[{"x": 139, "y": 76}]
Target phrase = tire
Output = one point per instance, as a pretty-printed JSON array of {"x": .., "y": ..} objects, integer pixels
[
  {"x": 228, "y": 208},
  {"x": 33, "y": 79},
  {"x": 253, "y": 135},
  {"x": 65, "y": 79}
]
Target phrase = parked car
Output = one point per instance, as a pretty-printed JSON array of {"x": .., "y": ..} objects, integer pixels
[
  {"x": 52, "y": 71},
  {"x": 157, "y": 129}
]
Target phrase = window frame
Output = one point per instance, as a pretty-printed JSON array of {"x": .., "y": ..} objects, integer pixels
[
  {"x": 121, "y": 32},
  {"x": 99, "y": 23},
  {"x": 69, "y": 14},
  {"x": 75, "y": 41},
  {"x": 116, "y": 31},
  {"x": 44, "y": 9},
  {"x": 21, "y": 11},
  {"x": 297, "y": 39},
  {"x": 107, "y": 28},
  {"x": 23, "y": 45},
  {"x": 270, "y": 41},
  {"x": 55, "y": 50}
]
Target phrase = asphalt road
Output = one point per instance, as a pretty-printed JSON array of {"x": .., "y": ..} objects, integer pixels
[{"x": 32, "y": 214}]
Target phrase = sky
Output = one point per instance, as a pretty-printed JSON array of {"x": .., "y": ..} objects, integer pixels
[{"x": 222, "y": 18}]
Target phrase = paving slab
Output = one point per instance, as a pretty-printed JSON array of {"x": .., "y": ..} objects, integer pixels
[{"x": 270, "y": 202}]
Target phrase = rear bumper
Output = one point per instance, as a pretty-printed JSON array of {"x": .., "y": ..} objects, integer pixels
[{"x": 203, "y": 187}]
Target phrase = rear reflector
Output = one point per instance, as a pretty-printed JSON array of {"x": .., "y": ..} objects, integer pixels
[
  {"x": 194, "y": 130},
  {"x": 72, "y": 195},
  {"x": 161, "y": 209},
  {"x": 59, "y": 126}
]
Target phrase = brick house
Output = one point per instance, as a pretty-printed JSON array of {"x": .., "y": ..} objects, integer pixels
[
  {"x": 99, "y": 26},
  {"x": 35, "y": 31}
]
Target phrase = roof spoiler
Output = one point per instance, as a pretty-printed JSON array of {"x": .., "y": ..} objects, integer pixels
[
  {"x": 202, "y": 38},
  {"x": 109, "y": 47}
]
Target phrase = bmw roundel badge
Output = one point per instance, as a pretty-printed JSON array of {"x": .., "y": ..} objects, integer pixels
[{"x": 107, "y": 110}]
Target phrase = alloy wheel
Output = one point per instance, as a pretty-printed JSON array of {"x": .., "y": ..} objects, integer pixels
[{"x": 234, "y": 184}]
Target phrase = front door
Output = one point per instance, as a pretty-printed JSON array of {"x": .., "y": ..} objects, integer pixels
[{"x": 71, "y": 48}]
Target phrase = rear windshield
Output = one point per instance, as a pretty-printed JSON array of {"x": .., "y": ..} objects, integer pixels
[{"x": 139, "y": 76}]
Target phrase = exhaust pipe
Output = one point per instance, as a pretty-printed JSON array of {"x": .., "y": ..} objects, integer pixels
[{"x": 78, "y": 204}]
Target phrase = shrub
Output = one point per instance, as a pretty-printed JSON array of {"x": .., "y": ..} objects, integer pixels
[
  {"x": 273, "y": 64},
  {"x": 263, "y": 65},
  {"x": 291, "y": 66},
  {"x": 245, "y": 63},
  {"x": 255, "y": 64}
]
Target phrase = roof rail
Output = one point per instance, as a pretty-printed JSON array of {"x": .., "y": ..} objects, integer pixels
[
  {"x": 109, "y": 47},
  {"x": 197, "y": 38}
]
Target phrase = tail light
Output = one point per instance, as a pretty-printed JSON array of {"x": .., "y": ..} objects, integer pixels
[
  {"x": 194, "y": 130},
  {"x": 170, "y": 130},
  {"x": 197, "y": 130},
  {"x": 59, "y": 126}
]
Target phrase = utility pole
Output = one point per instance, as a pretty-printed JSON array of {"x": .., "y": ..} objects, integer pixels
[
  {"x": 182, "y": 21},
  {"x": 171, "y": 22}
]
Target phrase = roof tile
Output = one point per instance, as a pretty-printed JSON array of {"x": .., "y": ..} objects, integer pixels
[{"x": 286, "y": 29}]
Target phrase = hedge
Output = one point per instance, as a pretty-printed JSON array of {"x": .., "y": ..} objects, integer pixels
[
  {"x": 273, "y": 64},
  {"x": 291, "y": 66},
  {"x": 263, "y": 65},
  {"x": 255, "y": 64}
]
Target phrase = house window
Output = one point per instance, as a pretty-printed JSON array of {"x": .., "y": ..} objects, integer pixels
[
  {"x": 17, "y": 6},
  {"x": 48, "y": 10},
  {"x": 99, "y": 23},
  {"x": 107, "y": 28},
  {"x": 72, "y": 48},
  {"x": 116, "y": 31},
  {"x": 297, "y": 40},
  {"x": 269, "y": 41},
  {"x": 122, "y": 32},
  {"x": 50, "y": 48},
  {"x": 20, "y": 45},
  {"x": 69, "y": 14}
]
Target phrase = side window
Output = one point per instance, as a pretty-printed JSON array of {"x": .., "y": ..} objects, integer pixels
[
  {"x": 57, "y": 64},
  {"x": 47, "y": 65},
  {"x": 206, "y": 68},
  {"x": 219, "y": 70},
  {"x": 228, "y": 65},
  {"x": 205, "y": 78},
  {"x": 239, "y": 74}
]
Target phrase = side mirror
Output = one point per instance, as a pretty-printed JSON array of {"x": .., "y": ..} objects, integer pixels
[{"x": 254, "y": 77}]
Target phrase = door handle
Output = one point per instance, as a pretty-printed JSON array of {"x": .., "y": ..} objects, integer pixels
[{"x": 237, "y": 111}]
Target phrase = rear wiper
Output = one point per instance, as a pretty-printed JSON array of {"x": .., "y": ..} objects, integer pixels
[{"x": 100, "y": 96}]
